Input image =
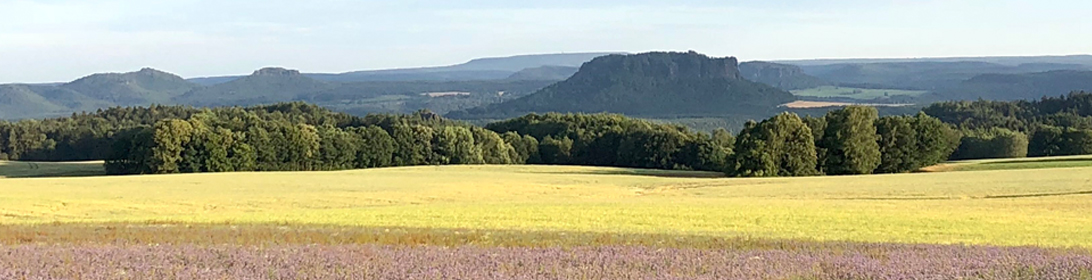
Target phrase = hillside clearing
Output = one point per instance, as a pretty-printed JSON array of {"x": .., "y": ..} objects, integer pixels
[{"x": 1023, "y": 207}]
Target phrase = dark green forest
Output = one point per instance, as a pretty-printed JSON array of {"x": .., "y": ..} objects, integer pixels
[
  {"x": 1051, "y": 126},
  {"x": 303, "y": 137}
]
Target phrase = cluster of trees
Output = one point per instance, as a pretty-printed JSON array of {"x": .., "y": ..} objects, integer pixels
[
  {"x": 84, "y": 136},
  {"x": 288, "y": 139},
  {"x": 616, "y": 140},
  {"x": 1051, "y": 126},
  {"x": 853, "y": 140},
  {"x": 848, "y": 141}
]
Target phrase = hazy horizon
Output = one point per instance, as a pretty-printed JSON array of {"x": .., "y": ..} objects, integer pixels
[{"x": 60, "y": 40}]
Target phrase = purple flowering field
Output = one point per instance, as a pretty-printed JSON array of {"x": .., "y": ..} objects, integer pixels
[{"x": 465, "y": 262}]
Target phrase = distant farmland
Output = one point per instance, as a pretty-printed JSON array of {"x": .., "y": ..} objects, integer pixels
[
  {"x": 802, "y": 104},
  {"x": 855, "y": 93}
]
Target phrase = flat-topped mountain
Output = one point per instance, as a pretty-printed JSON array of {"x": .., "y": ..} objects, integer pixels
[
  {"x": 267, "y": 85},
  {"x": 648, "y": 84}
]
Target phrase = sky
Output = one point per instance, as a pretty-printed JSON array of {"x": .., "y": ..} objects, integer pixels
[{"x": 61, "y": 40}]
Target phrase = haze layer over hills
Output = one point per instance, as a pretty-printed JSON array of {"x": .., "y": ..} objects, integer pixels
[{"x": 645, "y": 84}]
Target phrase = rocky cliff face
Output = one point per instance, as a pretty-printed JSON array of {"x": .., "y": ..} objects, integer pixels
[
  {"x": 275, "y": 71},
  {"x": 660, "y": 65},
  {"x": 783, "y": 76}
]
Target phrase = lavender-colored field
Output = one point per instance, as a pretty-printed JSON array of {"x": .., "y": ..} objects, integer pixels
[{"x": 432, "y": 262}]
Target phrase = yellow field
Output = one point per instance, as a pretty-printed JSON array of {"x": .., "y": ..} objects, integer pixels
[{"x": 1017, "y": 207}]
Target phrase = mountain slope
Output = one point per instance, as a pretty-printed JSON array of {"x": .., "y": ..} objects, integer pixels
[
  {"x": 135, "y": 88},
  {"x": 492, "y": 68},
  {"x": 650, "y": 84},
  {"x": 926, "y": 75},
  {"x": 544, "y": 73},
  {"x": 72, "y": 100},
  {"x": 19, "y": 101},
  {"x": 1026, "y": 86},
  {"x": 268, "y": 85},
  {"x": 782, "y": 76},
  {"x": 1085, "y": 60}
]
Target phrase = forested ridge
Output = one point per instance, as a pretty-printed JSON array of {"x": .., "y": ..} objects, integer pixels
[
  {"x": 303, "y": 137},
  {"x": 1051, "y": 126}
]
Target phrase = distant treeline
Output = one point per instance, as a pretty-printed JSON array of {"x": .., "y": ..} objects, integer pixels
[
  {"x": 1051, "y": 126},
  {"x": 302, "y": 137}
]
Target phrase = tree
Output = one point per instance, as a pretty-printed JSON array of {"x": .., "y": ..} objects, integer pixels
[
  {"x": 413, "y": 144},
  {"x": 779, "y": 146},
  {"x": 721, "y": 137},
  {"x": 818, "y": 126},
  {"x": 992, "y": 143},
  {"x": 266, "y": 156},
  {"x": 850, "y": 141},
  {"x": 793, "y": 145},
  {"x": 492, "y": 147},
  {"x": 525, "y": 146},
  {"x": 1046, "y": 141},
  {"x": 705, "y": 153},
  {"x": 303, "y": 146},
  {"x": 936, "y": 140},
  {"x": 556, "y": 151},
  {"x": 1056, "y": 141},
  {"x": 216, "y": 145},
  {"x": 241, "y": 155},
  {"x": 1077, "y": 142},
  {"x": 337, "y": 148},
  {"x": 131, "y": 152},
  {"x": 651, "y": 149},
  {"x": 752, "y": 157},
  {"x": 171, "y": 138},
  {"x": 455, "y": 145},
  {"x": 898, "y": 142},
  {"x": 377, "y": 149}
]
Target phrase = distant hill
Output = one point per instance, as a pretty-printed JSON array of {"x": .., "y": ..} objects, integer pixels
[
  {"x": 1027, "y": 86},
  {"x": 71, "y": 100},
  {"x": 361, "y": 98},
  {"x": 134, "y": 88},
  {"x": 208, "y": 81},
  {"x": 545, "y": 73},
  {"x": 17, "y": 101},
  {"x": 782, "y": 76},
  {"x": 147, "y": 86},
  {"x": 493, "y": 68},
  {"x": 932, "y": 76},
  {"x": 649, "y": 84},
  {"x": 268, "y": 85},
  {"x": 1085, "y": 60},
  {"x": 477, "y": 69}
]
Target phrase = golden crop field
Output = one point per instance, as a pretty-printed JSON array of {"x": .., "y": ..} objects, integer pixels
[{"x": 1048, "y": 207}]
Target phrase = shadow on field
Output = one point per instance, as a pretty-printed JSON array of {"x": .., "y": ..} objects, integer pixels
[
  {"x": 1060, "y": 160},
  {"x": 649, "y": 173},
  {"x": 12, "y": 169}
]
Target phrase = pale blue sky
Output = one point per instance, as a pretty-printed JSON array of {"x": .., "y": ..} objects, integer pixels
[{"x": 60, "y": 40}]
